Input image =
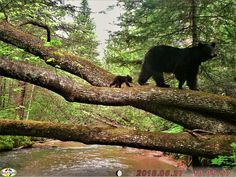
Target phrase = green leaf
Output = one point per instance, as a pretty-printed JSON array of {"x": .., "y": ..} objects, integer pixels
[
  {"x": 57, "y": 66},
  {"x": 47, "y": 44},
  {"x": 50, "y": 60}
]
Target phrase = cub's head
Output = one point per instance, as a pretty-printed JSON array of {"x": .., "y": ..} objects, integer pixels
[
  {"x": 207, "y": 51},
  {"x": 129, "y": 79}
]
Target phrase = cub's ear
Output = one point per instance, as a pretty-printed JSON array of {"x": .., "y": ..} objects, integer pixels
[
  {"x": 200, "y": 44},
  {"x": 213, "y": 44}
]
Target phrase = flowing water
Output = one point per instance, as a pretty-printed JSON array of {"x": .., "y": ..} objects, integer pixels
[{"x": 77, "y": 159}]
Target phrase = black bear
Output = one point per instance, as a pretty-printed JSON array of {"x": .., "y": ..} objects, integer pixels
[
  {"x": 184, "y": 63},
  {"x": 119, "y": 80}
]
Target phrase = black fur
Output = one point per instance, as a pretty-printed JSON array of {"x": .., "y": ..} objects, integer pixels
[
  {"x": 119, "y": 80},
  {"x": 184, "y": 63}
]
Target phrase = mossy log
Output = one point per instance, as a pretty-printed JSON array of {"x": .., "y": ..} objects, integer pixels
[
  {"x": 191, "y": 109},
  {"x": 184, "y": 143}
]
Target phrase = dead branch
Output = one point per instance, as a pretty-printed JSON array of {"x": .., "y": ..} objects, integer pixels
[{"x": 41, "y": 25}]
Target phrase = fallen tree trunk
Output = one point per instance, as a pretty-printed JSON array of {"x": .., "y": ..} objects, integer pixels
[
  {"x": 191, "y": 109},
  {"x": 184, "y": 143},
  {"x": 67, "y": 62},
  {"x": 209, "y": 112}
]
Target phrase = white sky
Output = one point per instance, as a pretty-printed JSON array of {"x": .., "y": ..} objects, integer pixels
[{"x": 103, "y": 22}]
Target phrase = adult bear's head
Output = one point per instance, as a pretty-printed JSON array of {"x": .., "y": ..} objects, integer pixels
[{"x": 207, "y": 51}]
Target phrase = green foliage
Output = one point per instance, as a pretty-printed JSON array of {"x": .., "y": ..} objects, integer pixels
[
  {"x": 16, "y": 54},
  {"x": 39, "y": 10},
  {"x": 21, "y": 141},
  {"x": 175, "y": 129},
  {"x": 78, "y": 35},
  {"x": 143, "y": 23},
  {"x": 80, "y": 39},
  {"x": 53, "y": 42},
  {"x": 57, "y": 66},
  {"x": 50, "y": 60},
  {"x": 7, "y": 112},
  {"x": 83, "y": 39},
  {"x": 146, "y": 23},
  {"x": 10, "y": 142},
  {"x": 6, "y": 143},
  {"x": 226, "y": 161}
]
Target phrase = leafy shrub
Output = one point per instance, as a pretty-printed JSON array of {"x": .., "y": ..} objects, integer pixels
[{"x": 226, "y": 161}]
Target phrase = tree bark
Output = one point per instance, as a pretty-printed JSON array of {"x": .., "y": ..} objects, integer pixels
[
  {"x": 3, "y": 92},
  {"x": 30, "y": 99},
  {"x": 184, "y": 143},
  {"x": 191, "y": 109},
  {"x": 41, "y": 25},
  {"x": 10, "y": 92},
  {"x": 193, "y": 22},
  {"x": 67, "y": 62},
  {"x": 20, "y": 99},
  {"x": 173, "y": 102}
]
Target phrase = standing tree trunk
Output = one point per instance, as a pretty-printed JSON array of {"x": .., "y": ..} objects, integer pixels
[
  {"x": 3, "y": 92},
  {"x": 10, "y": 92},
  {"x": 195, "y": 159},
  {"x": 30, "y": 101},
  {"x": 20, "y": 111},
  {"x": 193, "y": 22}
]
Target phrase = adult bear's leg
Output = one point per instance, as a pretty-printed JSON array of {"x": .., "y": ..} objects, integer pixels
[
  {"x": 192, "y": 79},
  {"x": 192, "y": 83},
  {"x": 159, "y": 78},
  {"x": 144, "y": 76},
  {"x": 181, "y": 78}
]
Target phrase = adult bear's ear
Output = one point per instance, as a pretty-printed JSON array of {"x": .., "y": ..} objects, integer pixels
[{"x": 213, "y": 44}]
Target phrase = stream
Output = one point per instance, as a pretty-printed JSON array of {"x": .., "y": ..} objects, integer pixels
[{"x": 57, "y": 158}]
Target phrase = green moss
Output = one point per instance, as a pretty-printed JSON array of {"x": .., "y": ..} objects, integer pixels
[
  {"x": 6, "y": 143},
  {"x": 10, "y": 142},
  {"x": 58, "y": 53}
]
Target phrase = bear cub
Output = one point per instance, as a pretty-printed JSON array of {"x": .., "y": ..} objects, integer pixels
[
  {"x": 183, "y": 62},
  {"x": 119, "y": 80}
]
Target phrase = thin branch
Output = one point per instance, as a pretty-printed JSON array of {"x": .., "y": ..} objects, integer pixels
[
  {"x": 175, "y": 32},
  {"x": 67, "y": 62},
  {"x": 3, "y": 7},
  {"x": 39, "y": 25}
]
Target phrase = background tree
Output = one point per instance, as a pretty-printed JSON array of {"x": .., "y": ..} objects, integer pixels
[
  {"x": 83, "y": 34},
  {"x": 143, "y": 24},
  {"x": 201, "y": 111},
  {"x": 77, "y": 35},
  {"x": 146, "y": 23}
]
